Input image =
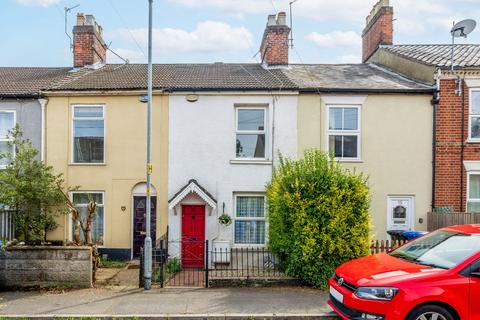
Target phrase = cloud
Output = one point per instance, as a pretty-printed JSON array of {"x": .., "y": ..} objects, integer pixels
[
  {"x": 350, "y": 58},
  {"x": 208, "y": 37},
  {"x": 336, "y": 39},
  {"x": 133, "y": 56},
  {"x": 38, "y": 3},
  {"x": 350, "y": 11}
]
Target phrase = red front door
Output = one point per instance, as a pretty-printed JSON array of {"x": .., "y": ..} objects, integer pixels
[{"x": 193, "y": 236}]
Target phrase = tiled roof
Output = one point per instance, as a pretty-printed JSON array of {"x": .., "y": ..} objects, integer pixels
[
  {"x": 197, "y": 77},
  {"x": 351, "y": 77},
  {"x": 28, "y": 82},
  {"x": 440, "y": 55},
  {"x": 216, "y": 76}
]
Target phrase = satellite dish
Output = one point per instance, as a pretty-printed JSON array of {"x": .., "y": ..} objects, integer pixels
[{"x": 463, "y": 28}]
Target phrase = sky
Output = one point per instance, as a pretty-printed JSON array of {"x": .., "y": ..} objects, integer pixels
[{"x": 205, "y": 31}]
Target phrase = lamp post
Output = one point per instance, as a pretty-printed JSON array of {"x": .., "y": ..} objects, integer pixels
[{"x": 148, "y": 240}]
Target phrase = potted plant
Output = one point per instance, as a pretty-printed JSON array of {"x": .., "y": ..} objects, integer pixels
[{"x": 225, "y": 220}]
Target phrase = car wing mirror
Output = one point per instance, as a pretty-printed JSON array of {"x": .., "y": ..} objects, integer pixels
[{"x": 475, "y": 274}]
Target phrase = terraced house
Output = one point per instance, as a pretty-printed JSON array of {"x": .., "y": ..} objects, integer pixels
[{"x": 217, "y": 131}]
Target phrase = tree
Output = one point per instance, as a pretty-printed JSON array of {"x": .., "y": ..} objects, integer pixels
[
  {"x": 29, "y": 190},
  {"x": 318, "y": 216}
]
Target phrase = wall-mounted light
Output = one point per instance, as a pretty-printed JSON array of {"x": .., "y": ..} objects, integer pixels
[
  {"x": 143, "y": 99},
  {"x": 192, "y": 98},
  {"x": 123, "y": 208}
]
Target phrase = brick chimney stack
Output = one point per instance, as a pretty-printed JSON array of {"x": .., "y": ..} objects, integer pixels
[
  {"x": 274, "y": 47},
  {"x": 89, "y": 49},
  {"x": 379, "y": 29}
]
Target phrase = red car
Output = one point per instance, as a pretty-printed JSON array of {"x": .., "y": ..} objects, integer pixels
[{"x": 435, "y": 277}]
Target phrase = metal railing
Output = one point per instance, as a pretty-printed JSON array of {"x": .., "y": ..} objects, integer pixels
[
  {"x": 7, "y": 226},
  {"x": 244, "y": 263}
]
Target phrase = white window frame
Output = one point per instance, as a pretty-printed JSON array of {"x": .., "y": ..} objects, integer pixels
[
  {"x": 468, "y": 200},
  {"x": 5, "y": 139},
  {"x": 98, "y": 205},
  {"x": 471, "y": 115},
  {"x": 252, "y": 132},
  {"x": 264, "y": 218},
  {"x": 354, "y": 133},
  {"x": 72, "y": 149}
]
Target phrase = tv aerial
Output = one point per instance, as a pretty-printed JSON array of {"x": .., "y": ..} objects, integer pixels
[{"x": 461, "y": 30}]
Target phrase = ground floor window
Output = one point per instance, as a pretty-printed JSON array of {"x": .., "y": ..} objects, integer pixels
[
  {"x": 473, "y": 193},
  {"x": 250, "y": 220},
  {"x": 81, "y": 200}
]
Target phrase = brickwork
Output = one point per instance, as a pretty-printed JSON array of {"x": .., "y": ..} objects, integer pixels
[
  {"x": 379, "y": 31},
  {"x": 450, "y": 174},
  {"x": 88, "y": 45},
  {"x": 274, "y": 48},
  {"x": 24, "y": 267}
]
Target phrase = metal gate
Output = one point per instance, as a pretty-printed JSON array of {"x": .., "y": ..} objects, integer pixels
[
  {"x": 178, "y": 264},
  {"x": 7, "y": 226}
]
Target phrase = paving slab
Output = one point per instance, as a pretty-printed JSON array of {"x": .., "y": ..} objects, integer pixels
[{"x": 232, "y": 303}]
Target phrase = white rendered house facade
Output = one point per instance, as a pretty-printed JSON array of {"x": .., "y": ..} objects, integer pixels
[{"x": 222, "y": 151}]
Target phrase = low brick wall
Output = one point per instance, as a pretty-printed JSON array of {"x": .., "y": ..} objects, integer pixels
[{"x": 24, "y": 267}]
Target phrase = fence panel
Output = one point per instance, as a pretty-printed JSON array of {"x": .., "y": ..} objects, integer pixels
[
  {"x": 438, "y": 220},
  {"x": 7, "y": 226},
  {"x": 381, "y": 246}
]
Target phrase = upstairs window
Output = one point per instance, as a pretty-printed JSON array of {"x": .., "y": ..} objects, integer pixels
[
  {"x": 344, "y": 132},
  {"x": 251, "y": 126},
  {"x": 7, "y": 150},
  {"x": 474, "y": 115},
  {"x": 88, "y": 134}
]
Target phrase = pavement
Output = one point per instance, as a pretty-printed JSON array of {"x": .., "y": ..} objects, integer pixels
[{"x": 129, "y": 302}]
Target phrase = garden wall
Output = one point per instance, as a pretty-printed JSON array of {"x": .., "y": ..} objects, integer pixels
[{"x": 65, "y": 267}]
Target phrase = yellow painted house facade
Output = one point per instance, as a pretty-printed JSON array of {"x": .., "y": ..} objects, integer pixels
[
  {"x": 394, "y": 135},
  {"x": 98, "y": 143}
]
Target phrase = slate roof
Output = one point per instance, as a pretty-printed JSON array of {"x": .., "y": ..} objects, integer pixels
[
  {"x": 28, "y": 82},
  {"x": 178, "y": 77},
  {"x": 440, "y": 55},
  {"x": 351, "y": 78}
]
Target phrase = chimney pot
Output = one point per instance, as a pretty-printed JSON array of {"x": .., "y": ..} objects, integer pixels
[
  {"x": 272, "y": 20},
  {"x": 80, "y": 19},
  {"x": 89, "y": 20},
  {"x": 282, "y": 19}
]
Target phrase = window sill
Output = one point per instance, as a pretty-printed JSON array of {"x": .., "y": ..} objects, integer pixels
[
  {"x": 473, "y": 141},
  {"x": 87, "y": 164},
  {"x": 349, "y": 160},
  {"x": 249, "y": 246},
  {"x": 250, "y": 161}
]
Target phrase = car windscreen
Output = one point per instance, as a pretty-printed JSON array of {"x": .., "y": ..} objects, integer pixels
[{"x": 440, "y": 249}]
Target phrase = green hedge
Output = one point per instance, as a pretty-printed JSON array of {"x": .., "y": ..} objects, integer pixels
[{"x": 318, "y": 216}]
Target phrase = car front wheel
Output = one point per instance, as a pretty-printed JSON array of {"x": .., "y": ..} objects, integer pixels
[{"x": 430, "y": 312}]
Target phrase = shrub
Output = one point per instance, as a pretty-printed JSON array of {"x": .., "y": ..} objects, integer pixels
[
  {"x": 30, "y": 190},
  {"x": 318, "y": 216}
]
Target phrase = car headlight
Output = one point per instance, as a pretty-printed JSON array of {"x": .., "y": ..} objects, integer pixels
[{"x": 376, "y": 293}]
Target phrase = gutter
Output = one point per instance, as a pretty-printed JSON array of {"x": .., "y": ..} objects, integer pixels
[
  {"x": 43, "y": 104},
  {"x": 435, "y": 102},
  {"x": 360, "y": 90}
]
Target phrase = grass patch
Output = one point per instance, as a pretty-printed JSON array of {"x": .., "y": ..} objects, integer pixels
[{"x": 112, "y": 264}]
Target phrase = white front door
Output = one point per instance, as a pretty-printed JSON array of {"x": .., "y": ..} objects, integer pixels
[{"x": 400, "y": 213}]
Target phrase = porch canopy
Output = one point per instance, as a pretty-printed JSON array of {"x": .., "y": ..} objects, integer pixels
[{"x": 192, "y": 187}]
